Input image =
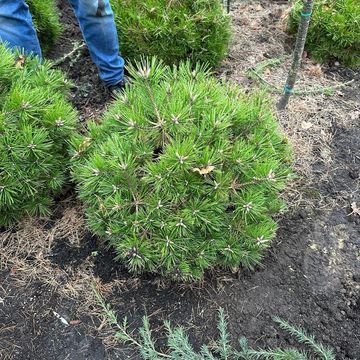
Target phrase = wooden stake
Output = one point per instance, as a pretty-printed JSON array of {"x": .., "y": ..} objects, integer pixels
[{"x": 298, "y": 53}]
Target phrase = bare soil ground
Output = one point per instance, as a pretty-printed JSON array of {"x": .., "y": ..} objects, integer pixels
[{"x": 310, "y": 277}]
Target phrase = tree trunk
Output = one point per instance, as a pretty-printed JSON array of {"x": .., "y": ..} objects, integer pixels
[{"x": 298, "y": 53}]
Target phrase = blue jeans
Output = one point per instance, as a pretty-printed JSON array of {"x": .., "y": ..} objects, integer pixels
[{"x": 97, "y": 25}]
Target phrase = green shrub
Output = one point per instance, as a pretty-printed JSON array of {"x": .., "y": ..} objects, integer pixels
[
  {"x": 173, "y": 30},
  {"x": 334, "y": 31},
  {"x": 183, "y": 173},
  {"x": 46, "y": 21},
  {"x": 35, "y": 124}
]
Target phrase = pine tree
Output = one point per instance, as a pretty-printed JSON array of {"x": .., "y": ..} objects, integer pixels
[
  {"x": 334, "y": 32},
  {"x": 183, "y": 173},
  {"x": 35, "y": 124},
  {"x": 46, "y": 20},
  {"x": 173, "y": 30}
]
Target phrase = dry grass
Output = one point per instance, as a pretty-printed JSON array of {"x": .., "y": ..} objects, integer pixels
[
  {"x": 309, "y": 120},
  {"x": 26, "y": 252},
  {"x": 30, "y": 241}
]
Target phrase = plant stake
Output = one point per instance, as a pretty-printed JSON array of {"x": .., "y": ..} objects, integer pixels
[{"x": 298, "y": 53}]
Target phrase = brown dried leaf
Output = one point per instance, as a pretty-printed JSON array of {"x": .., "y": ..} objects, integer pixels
[
  {"x": 203, "y": 171},
  {"x": 20, "y": 61},
  {"x": 315, "y": 70}
]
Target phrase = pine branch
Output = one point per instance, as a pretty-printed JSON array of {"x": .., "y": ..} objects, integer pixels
[
  {"x": 224, "y": 349},
  {"x": 309, "y": 340},
  {"x": 77, "y": 47},
  {"x": 147, "y": 348},
  {"x": 180, "y": 347},
  {"x": 312, "y": 91},
  {"x": 277, "y": 354}
]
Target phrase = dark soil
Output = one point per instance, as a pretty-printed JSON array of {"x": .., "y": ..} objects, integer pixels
[
  {"x": 89, "y": 94},
  {"x": 310, "y": 277},
  {"x": 29, "y": 329}
]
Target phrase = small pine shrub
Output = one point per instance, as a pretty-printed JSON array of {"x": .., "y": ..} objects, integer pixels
[
  {"x": 35, "y": 124},
  {"x": 334, "y": 31},
  {"x": 173, "y": 30},
  {"x": 179, "y": 346},
  {"x": 183, "y": 173},
  {"x": 46, "y": 20}
]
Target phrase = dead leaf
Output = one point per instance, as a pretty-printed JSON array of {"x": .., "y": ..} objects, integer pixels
[
  {"x": 203, "y": 171},
  {"x": 75, "y": 322},
  {"x": 20, "y": 61},
  {"x": 355, "y": 209},
  {"x": 315, "y": 70},
  {"x": 306, "y": 125}
]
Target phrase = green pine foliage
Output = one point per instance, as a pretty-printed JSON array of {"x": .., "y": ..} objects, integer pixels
[
  {"x": 46, "y": 20},
  {"x": 179, "y": 346},
  {"x": 173, "y": 30},
  {"x": 36, "y": 122},
  {"x": 184, "y": 172},
  {"x": 334, "y": 31}
]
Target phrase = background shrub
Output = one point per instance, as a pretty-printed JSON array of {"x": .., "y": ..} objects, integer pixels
[
  {"x": 334, "y": 31},
  {"x": 173, "y": 30},
  {"x": 183, "y": 173},
  {"x": 46, "y": 21},
  {"x": 35, "y": 124}
]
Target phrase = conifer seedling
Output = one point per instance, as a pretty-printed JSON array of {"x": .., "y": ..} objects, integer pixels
[
  {"x": 184, "y": 172},
  {"x": 179, "y": 346}
]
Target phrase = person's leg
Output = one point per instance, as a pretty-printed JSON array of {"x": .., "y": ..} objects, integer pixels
[
  {"x": 97, "y": 24},
  {"x": 16, "y": 27}
]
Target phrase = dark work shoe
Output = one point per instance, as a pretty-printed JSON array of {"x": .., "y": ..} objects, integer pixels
[{"x": 117, "y": 88}]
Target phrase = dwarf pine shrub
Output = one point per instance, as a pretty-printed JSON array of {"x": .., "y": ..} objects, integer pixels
[
  {"x": 46, "y": 20},
  {"x": 183, "y": 173},
  {"x": 334, "y": 31},
  {"x": 173, "y": 30},
  {"x": 35, "y": 124}
]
